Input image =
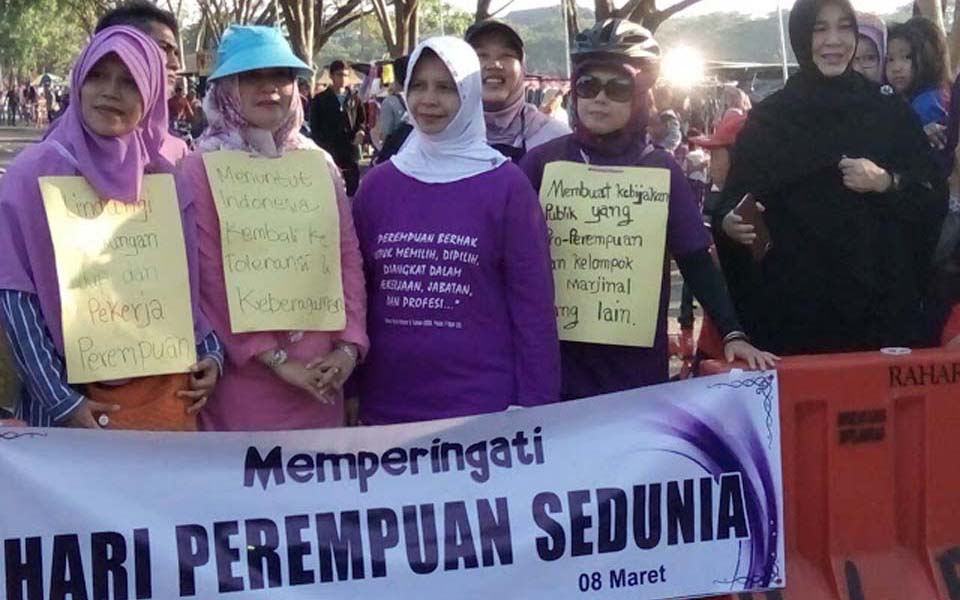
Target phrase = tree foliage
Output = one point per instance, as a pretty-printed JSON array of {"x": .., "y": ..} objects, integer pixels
[{"x": 31, "y": 41}]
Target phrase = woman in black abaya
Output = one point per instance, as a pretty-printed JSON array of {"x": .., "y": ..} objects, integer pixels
[{"x": 853, "y": 201}]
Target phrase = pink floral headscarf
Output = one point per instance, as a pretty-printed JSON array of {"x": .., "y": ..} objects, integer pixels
[{"x": 229, "y": 130}]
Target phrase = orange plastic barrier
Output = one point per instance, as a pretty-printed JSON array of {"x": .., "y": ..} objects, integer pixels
[
  {"x": 12, "y": 423},
  {"x": 871, "y": 446}
]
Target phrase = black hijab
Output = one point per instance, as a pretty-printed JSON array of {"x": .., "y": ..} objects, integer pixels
[
  {"x": 794, "y": 133},
  {"x": 848, "y": 270}
]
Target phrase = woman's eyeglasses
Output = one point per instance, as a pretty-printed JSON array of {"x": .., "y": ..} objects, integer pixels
[{"x": 618, "y": 89}]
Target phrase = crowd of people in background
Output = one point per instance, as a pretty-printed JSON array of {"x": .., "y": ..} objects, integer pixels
[
  {"x": 32, "y": 105},
  {"x": 811, "y": 221}
]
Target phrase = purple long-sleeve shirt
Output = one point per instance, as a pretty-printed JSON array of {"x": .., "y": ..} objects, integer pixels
[
  {"x": 460, "y": 291},
  {"x": 593, "y": 369}
]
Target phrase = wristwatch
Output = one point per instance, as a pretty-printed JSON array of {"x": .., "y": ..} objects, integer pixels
[
  {"x": 276, "y": 359},
  {"x": 894, "y": 182}
]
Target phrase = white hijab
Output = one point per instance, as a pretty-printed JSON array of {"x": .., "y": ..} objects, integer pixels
[{"x": 460, "y": 150}]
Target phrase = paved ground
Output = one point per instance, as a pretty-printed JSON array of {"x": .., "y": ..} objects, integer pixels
[{"x": 14, "y": 139}]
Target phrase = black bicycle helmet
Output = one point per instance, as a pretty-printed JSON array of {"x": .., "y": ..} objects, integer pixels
[{"x": 617, "y": 37}]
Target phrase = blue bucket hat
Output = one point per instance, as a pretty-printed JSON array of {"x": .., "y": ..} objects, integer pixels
[{"x": 251, "y": 47}]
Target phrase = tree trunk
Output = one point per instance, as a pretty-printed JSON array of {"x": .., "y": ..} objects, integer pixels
[
  {"x": 400, "y": 28},
  {"x": 483, "y": 11},
  {"x": 603, "y": 9},
  {"x": 645, "y": 12},
  {"x": 298, "y": 18}
]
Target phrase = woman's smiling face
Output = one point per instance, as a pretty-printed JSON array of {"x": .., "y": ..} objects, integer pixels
[{"x": 834, "y": 40}]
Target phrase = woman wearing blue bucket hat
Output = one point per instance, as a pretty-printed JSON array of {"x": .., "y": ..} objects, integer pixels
[{"x": 273, "y": 380}]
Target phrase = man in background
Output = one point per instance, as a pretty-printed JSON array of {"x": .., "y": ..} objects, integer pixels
[
  {"x": 159, "y": 24},
  {"x": 337, "y": 119}
]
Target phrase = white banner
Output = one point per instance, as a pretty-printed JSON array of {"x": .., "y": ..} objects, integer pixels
[{"x": 665, "y": 492}]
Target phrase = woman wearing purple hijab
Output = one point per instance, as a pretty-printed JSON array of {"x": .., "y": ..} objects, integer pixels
[
  {"x": 514, "y": 126},
  {"x": 113, "y": 133},
  {"x": 616, "y": 64}
]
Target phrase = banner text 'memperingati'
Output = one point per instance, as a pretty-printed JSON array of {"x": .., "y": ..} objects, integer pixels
[{"x": 440, "y": 457}]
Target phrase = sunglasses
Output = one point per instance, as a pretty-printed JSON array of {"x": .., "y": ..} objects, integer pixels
[{"x": 618, "y": 89}]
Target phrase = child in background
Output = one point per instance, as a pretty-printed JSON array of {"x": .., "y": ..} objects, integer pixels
[{"x": 917, "y": 70}]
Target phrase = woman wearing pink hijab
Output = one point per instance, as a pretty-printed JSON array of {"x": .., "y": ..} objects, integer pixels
[
  {"x": 276, "y": 379},
  {"x": 113, "y": 133}
]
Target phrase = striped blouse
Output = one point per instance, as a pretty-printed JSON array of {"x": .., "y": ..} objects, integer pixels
[{"x": 45, "y": 397}]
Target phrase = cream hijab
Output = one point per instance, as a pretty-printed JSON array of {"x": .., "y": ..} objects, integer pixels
[{"x": 460, "y": 151}]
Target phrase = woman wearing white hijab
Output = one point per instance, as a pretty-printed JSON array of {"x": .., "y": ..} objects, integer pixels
[{"x": 461, "y": 315}]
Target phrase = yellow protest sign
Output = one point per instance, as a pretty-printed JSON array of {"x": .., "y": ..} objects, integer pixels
[
  {"x": 280, "y": 237},
  {"x": 124, "y": 286},
  {"x": 608, "y": 229}
]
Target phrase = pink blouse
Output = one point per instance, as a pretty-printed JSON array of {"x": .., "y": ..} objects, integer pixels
[{"x": 249, "y": 396}]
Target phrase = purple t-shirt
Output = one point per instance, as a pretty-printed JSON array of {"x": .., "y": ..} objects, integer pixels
[
  {"x": 460, "y": 296},
  {"x": 592, "y": 369}
]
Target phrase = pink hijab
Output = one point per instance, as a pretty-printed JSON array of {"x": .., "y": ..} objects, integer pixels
[
  {"x": 114, "y": 166},
  {"x": 228, "y": 129}
]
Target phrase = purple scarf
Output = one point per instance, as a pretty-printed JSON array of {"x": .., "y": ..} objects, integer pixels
[
  {"x": 228, "y": 129},
  {"x": 114, "y": 166},
  {"x": 504, "y": 126}
]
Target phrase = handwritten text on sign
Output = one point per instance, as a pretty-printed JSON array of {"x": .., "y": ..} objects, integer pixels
[
  {"x": 608, "y": 230},
  {"x": 122, "y": 273},
  {"x": 280, "y": 236}
]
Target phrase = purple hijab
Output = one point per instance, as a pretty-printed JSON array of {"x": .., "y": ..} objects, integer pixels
[
  {"x": 504, "y": 126},
  {"x": 631, "y": 140},
  {"x": 114, "y": 167}
]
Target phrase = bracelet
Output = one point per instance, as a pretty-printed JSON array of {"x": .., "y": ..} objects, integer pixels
[
  {"x": 350, "y": 350},
  {"x": 277, "y": 358},
  {"x": 736, "y": 336}
]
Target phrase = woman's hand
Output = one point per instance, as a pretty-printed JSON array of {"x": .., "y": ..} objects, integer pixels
[
  {"x": 82, "y": 417},
  {"x": 745, "y": 351},
  {"x": 335, "y": 368},
  {"x": 203, "y": 378},
  {"x": 937, "y": 135},
  {"x": 737, "y": 230},
  {"x": 862, "y": 175},
  {"x": 298, "y": 375}
]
